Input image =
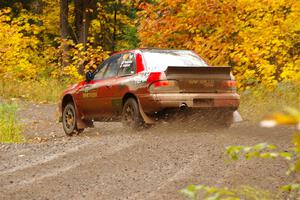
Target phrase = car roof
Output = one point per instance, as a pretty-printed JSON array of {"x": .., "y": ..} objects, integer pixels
[{"x": 148, "y": 50}]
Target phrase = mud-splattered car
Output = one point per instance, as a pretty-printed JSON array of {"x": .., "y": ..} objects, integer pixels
[{"x": 138, "y": 86}]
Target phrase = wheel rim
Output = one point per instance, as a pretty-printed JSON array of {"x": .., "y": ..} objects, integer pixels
[
  {"x": 129, "y": 114},
  {"x": 69, "y": 119}
]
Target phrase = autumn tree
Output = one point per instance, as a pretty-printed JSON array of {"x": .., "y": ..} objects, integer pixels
[
  {"x": 260, "y": 39},
  {"x": 64, "y": 30}
]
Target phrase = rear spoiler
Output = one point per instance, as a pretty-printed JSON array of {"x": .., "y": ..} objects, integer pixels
[{"x": 201, "y": 72}]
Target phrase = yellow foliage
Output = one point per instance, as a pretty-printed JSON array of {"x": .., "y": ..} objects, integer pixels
[
  {"x": 87, "y": 58},
  {"x": 90, "y": 57},
  {"x": 19, "y": 55},
  {"x": 259, "y": 38},
  {"x": 26, "y": 51}
]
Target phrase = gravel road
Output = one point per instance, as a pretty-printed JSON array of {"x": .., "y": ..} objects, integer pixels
[{"x": 108, "y": 162}]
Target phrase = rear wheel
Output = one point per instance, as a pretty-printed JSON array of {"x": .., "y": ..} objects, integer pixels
[
  {"x": 69, "y": 120},
  {"x": 131, "y": 116}
]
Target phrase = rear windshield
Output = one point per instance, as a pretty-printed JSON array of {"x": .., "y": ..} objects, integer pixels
[{"x": 159, "y": 60}]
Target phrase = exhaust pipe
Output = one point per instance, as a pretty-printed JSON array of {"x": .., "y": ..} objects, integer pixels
[{"x": 183, "y": 106}]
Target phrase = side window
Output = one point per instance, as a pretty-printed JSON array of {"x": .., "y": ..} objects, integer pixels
[
  {"x": 113, "y": 66},
  {"x": 99, "y": 73},
  {"x": 127, "y": 66}
]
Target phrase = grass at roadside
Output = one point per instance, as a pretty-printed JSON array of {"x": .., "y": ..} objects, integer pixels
[
  {"x": 10, "y": 130},
  {"x": 44, "y": 91},
  {"x": 259, "y": 101}
]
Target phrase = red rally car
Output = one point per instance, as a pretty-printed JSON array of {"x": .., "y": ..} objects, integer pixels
[{"x": 136, "y": 86}]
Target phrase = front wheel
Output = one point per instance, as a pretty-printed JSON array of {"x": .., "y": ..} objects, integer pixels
[
  {"x": 131, "y": 116},
  {"x": 69, "y": 120}
]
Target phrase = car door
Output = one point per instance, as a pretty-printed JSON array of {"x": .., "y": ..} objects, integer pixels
[
  {"x": 106, "y": 89},
  {"x": 126, "y": 71},
  {"x": 87, "y": 95}
]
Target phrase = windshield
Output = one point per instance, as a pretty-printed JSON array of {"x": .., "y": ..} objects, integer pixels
[{"x": 160, "y": 60}]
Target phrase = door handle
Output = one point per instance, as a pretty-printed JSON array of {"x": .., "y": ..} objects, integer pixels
[
  {"x": 86, "y": 88},
  {"x": 109, "y": 86}
]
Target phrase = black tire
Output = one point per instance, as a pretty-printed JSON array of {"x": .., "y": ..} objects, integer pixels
[
  {"x": 69, "y": 120},
  {"x": 131, "y": 116}
]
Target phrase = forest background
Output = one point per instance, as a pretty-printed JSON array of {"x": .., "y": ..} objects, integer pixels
[{"x": 48, "y": 44}]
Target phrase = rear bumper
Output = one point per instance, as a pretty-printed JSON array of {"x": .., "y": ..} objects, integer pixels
[{"x": 158, "y": 102}]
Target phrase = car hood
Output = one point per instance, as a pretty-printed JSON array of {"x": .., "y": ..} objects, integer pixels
[{"x": 73, "y": 88}]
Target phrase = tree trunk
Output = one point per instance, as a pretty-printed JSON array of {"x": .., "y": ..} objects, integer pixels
[
  {"x": 85, "y": 23},
  {"x": 82, "y": 20},
  {"x": 64, "y": 29},
  {"x": 83, "y": 15},
  {"x": 36, "y": 6},
  {"x": 78, "y": 20},
  {"x": 115, "y": 25}
]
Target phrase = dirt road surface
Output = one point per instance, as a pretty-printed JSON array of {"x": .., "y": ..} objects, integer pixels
[{"x": 108, "y": 162}]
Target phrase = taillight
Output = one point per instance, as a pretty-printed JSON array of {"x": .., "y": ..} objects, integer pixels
[
  {"x": 164, "y": 86},
  {"x": 153, "y": 76},
  {"x": 158, "y": 83},
  {"x": 231, "y": 84},
  {"x": 228, "y": 84},
  {"x": 161, "y": 83},
  {"x": 156, "y": 76}
]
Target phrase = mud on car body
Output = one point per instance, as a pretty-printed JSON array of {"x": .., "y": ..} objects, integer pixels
[{"x": 137, "y": 86}]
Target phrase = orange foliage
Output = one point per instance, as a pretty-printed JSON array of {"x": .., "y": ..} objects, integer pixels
[{"x": 259, "y": 38}]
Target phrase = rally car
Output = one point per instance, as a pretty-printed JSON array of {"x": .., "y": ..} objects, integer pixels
[{"x": 138, "y": 85}]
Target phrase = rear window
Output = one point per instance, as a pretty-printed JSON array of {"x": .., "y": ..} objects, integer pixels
[{"x": 159, "y": 60}]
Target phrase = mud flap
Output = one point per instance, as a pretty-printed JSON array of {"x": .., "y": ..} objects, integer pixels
[
  {"x": 82, "y": 123},
  {"x": 146, "y": 119},
  {"x": 237, "y": 117}
]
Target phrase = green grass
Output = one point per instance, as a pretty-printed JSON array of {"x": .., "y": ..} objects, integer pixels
[
  {"x": 45, "y": 91},
  {"x": 258, "y": 102},
  {"x": 10, "y": 130}
]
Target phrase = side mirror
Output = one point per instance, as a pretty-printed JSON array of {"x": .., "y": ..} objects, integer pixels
[{"x": 89, "y": 76}]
